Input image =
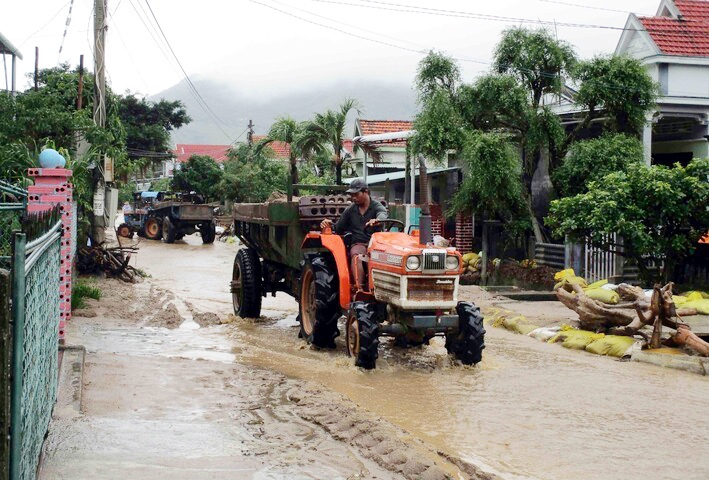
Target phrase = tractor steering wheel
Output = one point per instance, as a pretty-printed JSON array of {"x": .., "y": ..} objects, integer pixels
[{"x": 386, "y": 225}]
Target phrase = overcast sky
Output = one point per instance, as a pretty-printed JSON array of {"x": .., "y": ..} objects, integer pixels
[{"x": 261, "y": 47}]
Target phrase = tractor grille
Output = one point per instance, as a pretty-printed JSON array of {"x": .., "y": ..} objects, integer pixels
[
  {"x": 431, "y": 288},
  {"x": 434, "y": 261},
  {"x": 387, "y": 285}
]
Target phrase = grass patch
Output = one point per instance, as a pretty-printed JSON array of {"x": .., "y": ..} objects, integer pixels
[{"x": 81, "y": 291}]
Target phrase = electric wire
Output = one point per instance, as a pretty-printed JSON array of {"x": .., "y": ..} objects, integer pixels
[{"x": 187, "y": 78}]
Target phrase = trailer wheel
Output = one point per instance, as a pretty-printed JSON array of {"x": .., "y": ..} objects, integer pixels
[
  {"x": 208, "y": 230},
  {"x": 124, "y": 231},
  {"x": 319, "y": 303},
  {"x": 468, "y": 344},
  {"x": 168, "y": 230},
  {"x": 153, "y": 228},
  {"x": 362, "y": 335},
  {"x": 246, "y": 284}
]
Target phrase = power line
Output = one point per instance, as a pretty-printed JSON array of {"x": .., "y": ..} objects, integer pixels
[{"x": 189, "y": 81}]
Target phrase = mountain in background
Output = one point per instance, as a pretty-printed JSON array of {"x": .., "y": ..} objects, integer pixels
[{"x": 379, "y": 101}]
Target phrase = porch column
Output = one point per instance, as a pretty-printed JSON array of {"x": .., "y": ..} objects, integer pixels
[{"x": 647, "y": 140}]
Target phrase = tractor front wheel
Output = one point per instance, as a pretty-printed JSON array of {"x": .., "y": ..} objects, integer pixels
[
  {"x": 124, "y": 231},
  {"x": 246, "y": 284},
  {"x": 468, "y": 344},
  {"x": 319, "y": 303},
  {"x": 362, "y": 335},
  {"x": 153, "y": 228}
]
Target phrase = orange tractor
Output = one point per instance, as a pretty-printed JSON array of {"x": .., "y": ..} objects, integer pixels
[{"x": 410, "y": 293}]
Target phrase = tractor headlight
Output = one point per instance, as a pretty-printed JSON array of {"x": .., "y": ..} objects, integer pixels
[
  {"x": 413, "y": 262},
  {"x": 452, "y": 262}
]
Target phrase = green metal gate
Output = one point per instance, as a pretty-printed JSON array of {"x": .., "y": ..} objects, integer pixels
[{"x": 34, "y": 263}]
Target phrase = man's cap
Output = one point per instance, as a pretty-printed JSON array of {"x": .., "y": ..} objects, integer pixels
[{"x": 357, "y": 185}]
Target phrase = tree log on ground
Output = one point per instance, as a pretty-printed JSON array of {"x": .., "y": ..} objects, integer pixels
[{"x": 636, "y": 312}]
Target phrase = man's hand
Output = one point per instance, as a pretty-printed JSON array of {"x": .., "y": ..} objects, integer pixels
[
  {"x": 371, "y": 223},
  {"x": 326, "y": 223}
]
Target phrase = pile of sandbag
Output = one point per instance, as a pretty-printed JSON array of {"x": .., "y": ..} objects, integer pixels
[
  {"x": 472, "y": 262},
  {"x": 600, "y": 290},
  {"x": 694, "y": 299}
]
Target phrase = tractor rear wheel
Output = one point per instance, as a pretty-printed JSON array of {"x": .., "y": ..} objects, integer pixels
[
  {"x": 319, "y": 303},
  {"x": 124, "y": 231},
  {"x": 208, "y": 231},
  {"x": 362, "y": 335},
  {"x": 246, "y": 284},
  {"x": 168, "y": 230},
  {"x": 153, "y": 228},
  {"x": 468, "y": 344}
]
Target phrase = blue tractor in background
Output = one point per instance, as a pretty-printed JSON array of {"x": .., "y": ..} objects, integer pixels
[{"x": 169, "y": 216}]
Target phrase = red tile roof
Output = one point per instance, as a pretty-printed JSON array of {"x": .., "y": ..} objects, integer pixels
[
  {"x": 685, "y": 36},
  {"x": 373, "y": 127},
  {"x": 183, "y": 152},
  {"x": 280, "y": 149}
]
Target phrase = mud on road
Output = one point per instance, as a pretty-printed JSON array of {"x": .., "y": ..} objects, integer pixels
[
  {"x": 177, "y": 387},
  {"x": 166, "y": 396}
]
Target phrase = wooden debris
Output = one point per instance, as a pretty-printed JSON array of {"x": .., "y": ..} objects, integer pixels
[
  {"x": 636, "y": 312},
  {"x": 113, "y": 261}
]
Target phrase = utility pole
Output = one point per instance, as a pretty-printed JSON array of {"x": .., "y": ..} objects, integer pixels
[
  {"x": 99, "y": 221},
  {"x": 80, "y": 93},
  {"x": 250, "y": 134}
]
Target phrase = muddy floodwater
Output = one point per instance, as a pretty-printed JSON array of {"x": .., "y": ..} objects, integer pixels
[{"x": 529, "y": 410}]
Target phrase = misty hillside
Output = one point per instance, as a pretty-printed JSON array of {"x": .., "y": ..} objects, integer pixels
[{"x": 378, "y": 101}]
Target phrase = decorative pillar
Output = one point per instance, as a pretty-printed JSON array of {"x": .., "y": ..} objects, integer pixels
[
  {"x": 464, "y": 233},
  {"x": 647, "y": 140},
  {"x": 52, "y": 187}
]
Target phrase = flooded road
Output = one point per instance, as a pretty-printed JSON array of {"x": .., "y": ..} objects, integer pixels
[{"x": 529, "y": 410}]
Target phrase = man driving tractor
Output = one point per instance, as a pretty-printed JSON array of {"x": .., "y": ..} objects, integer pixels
[{"x": 357, "y": 219}]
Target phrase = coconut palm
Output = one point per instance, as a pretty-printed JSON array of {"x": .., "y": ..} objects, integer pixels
[
  {"x": 286, "y": 130},
  {"x": 329, "y": 128}
]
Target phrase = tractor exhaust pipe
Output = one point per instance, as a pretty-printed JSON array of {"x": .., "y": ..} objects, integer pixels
[{"x": 425, "y": 234}]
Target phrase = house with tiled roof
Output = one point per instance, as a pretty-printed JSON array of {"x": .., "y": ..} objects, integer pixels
[
  {"x": 388, "y": 174},
  {"x": 281, "y": 150},
  {"x": 674, "y": 47},
  {"x": 392, "y": 155}
]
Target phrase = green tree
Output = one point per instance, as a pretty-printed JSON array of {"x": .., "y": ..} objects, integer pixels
[
  {"x": 200, "y": 174},
  {"x": 591, "y": 160},
  {"x": 536, "y": 58},
  {"x": 148, "y": 125},
  {"x": 660, "y": 213},
  {"x": 618, "y": 89},
  {"x": 289, "y": 131},
  {"x": 252, "y": 175},
  {"x": 329, "y": 129},
  {"x": 490, "y": 185}
]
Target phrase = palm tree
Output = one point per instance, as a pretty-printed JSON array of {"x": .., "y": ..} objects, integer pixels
[
  {"x": 286, "y": 130},
  {"x": 329, "y": 128}
]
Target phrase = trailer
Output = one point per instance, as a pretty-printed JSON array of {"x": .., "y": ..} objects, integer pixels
[{"x": 410, "y": 289}]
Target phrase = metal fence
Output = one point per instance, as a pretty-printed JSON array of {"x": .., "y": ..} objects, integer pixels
[
  {"x": 35, "y": 338},
  {"x": 13, "y": 202},
  {"x": 30, "y": 254}
]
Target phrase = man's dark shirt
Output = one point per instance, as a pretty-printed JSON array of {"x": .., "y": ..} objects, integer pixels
[{"x": 352, "y": 221}]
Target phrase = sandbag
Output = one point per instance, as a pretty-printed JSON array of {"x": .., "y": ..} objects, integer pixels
[
  {"x": 603, "y": 295},
  {"x": 566, "y": 283},
  {"x": 701, "y": 306},
  {"x": 597, "y": 284},
  {"x": 611, "y": 345},
  {"x": 518, "y": 324},
  {"x": 570, "y": 337},
  {"x": 569, "y": 272}
]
